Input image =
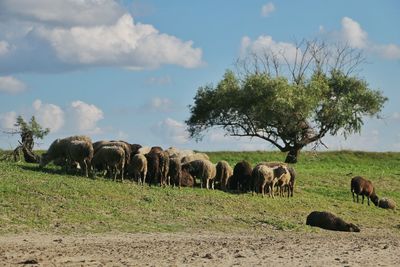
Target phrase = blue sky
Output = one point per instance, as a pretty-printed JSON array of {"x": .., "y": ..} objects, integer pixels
[{"x": 129, "y": 69}]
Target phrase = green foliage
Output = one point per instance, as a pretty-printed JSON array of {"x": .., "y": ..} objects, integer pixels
[
  {"x": 32, "y": 126},
  {"x": 48, "y": 200},
  {"x": 289, "y": 115}
]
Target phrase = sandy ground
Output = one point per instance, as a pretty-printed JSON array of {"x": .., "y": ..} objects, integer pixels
[{"x": 274, "y": 248}]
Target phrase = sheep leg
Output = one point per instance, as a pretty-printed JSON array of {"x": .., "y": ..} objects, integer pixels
[
  {"x": 362, "y": 202},
  {"x": 368, "y": 200},
  {"x": 357, "y": 198},
  {"x": 207, "y": 184},
  {"x": 352, "y": 192}
]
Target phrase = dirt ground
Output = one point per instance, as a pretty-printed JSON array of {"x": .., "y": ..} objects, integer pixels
[{"x": 273, "y": 248}]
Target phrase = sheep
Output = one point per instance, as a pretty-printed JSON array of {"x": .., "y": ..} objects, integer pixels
[
  {"x": 386, "y": 203},
  {"x": 59, "y": 149},
  {"x": 224, "y": 172},
  {"x": 81, "y": 152},
  {"x": 241, "y": 179},
  {"x": 155, "y": 149},
  {"x": 126, "y": 146},
  {"x": 164, "y": 167},
  {"x": 153, "y": 168},
  {"x": 202, "y": 169},
  {"x": 363, "y": 187},
  {"x": 135, "y": 149},
  {"x": 138, "y": 168},
  {"x": 264, "y": 175},
  {"x": 144, "y": 150},
  {"x": 174, "y": 152},
  {"x": 186, "y": 180},
  {"x": 193, "y": 157},
  {"x": 286, "y": 182},
  {"x": 329, "y": 221},
  {"x": 175, "y": 171},
  {"x": 112, "y": 158}
]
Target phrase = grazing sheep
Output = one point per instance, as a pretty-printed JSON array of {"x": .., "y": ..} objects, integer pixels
[
  {"x": 153, "y": 168},
  {"x": 144, "y": 150},
  {"x": 126, "y": 146},
  {"x": 135, "y": 149},
  {"x": 202, "y": 169},
  {"x": 264, "y": 175},
  {"x": 363, "y": 187},
  {"x": 164, "y": 167},
  {"x": 284, "y": 183},
  {"x": 386, "y": 203},
  {"x": 156, "y": 149},
  {"x": 111, "y": 158},
  {"x": 138, "y": 168},
  {"x": 174, "y": 152},
  {"x": 241, "y": 179},
  {"x": 59, "y": 149},
  {"x": 193, "y": 157},
  {"x": 81, "y": 152},
  {"x": 224, "y": 172},
  {"x": 329, "y": 221},
  {"x": 175, "y": 171}
]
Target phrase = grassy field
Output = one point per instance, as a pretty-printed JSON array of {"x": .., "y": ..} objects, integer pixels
[{"x": 50, "y": 201}]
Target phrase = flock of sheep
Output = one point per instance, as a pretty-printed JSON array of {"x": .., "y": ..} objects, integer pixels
[
  {"x": 175, "y": 167},
  {"x": 167, "y": 167}
]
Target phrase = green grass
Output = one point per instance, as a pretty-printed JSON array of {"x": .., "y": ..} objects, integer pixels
[{"x": 50, "y": 201}]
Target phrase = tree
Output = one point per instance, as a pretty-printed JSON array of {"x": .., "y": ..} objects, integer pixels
[
  {"x": 289, "y": 102},
  {"x": 28, "y": 132}
]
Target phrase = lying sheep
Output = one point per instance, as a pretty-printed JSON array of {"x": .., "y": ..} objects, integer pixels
[
  {"x": 223, "y": 172},
  {"x": 264, "y": 175},
  {"x": 138, "y": 168},
  {"x": 111, "y": 158},
  {"x": 59, "y": 149},
  {"x": 186, "y": 180},
  {"x": 329, "y": 221},
  {"x": 241, "y": 179},
  {"x": 81, "y": 151},
  {"x": 363, "y": 187},
  {"x": 202, "y": 169},
  {"x": 386, "y": 203}
]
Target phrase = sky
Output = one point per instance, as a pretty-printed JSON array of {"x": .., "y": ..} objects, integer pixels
[{"x": 130, "y": 69}]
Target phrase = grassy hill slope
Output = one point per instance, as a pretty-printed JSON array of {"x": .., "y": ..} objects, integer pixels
[{"x": 48, "y": 200}]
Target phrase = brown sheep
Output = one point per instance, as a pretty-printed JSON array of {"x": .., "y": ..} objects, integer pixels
[
  {"x": 386, "y": 203},
  {"x": 59, "y": 149},
  {"x": 164, "y": 168},
  {"x": 186, "y": 180},
  {"x": 138, "y": 168},
  {"x": 241, "y": 179},
  {"x": 363, "y": 187},
  {"x": 224, "y": 172},
  {"x": 81, "y": 152},
  {"x": 202, "y": 169},
  {"x": 153, "y": 168},
  {"x": 127, "y": 148},
  {"x": 175, "y": 171},
  {"x": 111, "y": 158},
  {"x": 329, "y": 221}
]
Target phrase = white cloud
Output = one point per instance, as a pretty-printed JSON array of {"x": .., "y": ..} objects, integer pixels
[
  {"x": 63, "y": 12},
  {"x": 58, "y": 35},
  {"x": 161, "y": 104},
  {"x": 390, "y": 51},
  {"x": 8, "y": 119},
  {"x": 125, "y": 44},
  {"x": 9, "y": 84},
  {"x": 49, "y": 115},
  {"x": 265, "y": 44},
  {"x": 396, "y": 116},
  {"x": 267, "y": 9},
  {"x": 4, "y": 48},
  {"x": 84, "y": 117},
  {"x": 171, "y": 131},
  {"x": 356, "y": 37},
  {"x": 162, "y": 80},
  {"x": 353, "y": 33}
]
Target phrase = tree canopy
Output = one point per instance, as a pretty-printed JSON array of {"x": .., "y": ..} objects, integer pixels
[{"x": 292, "y": 108}]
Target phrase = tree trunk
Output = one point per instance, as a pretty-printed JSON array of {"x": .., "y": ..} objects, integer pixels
[
  {"x": 29, "y": 156},
  {"x": 292, "y": 155}
]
